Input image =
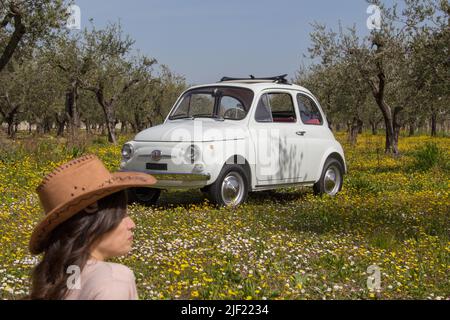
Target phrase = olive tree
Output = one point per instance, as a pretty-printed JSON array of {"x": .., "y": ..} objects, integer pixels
[{"x": 25, "y": 22}]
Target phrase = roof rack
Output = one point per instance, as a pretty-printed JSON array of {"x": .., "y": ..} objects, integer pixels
[{"x": 276, "y": 79}]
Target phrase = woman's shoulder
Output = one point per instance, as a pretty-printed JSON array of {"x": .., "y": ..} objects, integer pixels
[
  {"x": 108, "y": 281},
  {"x": 110, "y": 271},
  {"x": 120, "y": 272}
]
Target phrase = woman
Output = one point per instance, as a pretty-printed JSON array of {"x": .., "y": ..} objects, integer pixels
[{"x": 85, "y": 224}]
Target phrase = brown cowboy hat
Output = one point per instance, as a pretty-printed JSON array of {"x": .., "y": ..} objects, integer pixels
[{"x": 73, "y": 187}]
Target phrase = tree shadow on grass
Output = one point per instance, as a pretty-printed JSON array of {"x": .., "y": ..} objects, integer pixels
[
  {"x": 386, "y": 230},
  {"x": 187, "y": 198},
  {"x": 184, "y": 198},
  {"x": 281, "y": 196}
]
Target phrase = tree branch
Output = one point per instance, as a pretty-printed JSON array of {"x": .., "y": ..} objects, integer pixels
[
  {"x": 6, "y": 20},
  {"x": 19, "y": 31},
  {"x": 124, "y": 89},
  {"x": 62, "y": 67}
]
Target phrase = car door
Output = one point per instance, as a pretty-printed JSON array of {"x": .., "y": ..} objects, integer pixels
[
  {"x": 316, "y": 135},
  {"x": 275, "y": 134}
]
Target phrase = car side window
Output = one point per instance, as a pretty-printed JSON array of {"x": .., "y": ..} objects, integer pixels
[
  {"x": 263, "y": 113},
  {"x": 275, "y": 107},
  {"x": 309, "y": 112},
  {"x": 231, "y": 108},
  {"x": 282, "y": 107}
]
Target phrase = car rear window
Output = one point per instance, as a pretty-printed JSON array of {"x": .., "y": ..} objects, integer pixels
[{"x": 309, "y": 112}]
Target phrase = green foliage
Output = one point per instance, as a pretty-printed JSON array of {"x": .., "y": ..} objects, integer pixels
[
  {"x": 89, "y": 78},
  {"x": 361, "y": 182},
  {"x": 429, "y": 156},
  {"x": 27, "y": 24},
  {"x": 400, "y": 70}
]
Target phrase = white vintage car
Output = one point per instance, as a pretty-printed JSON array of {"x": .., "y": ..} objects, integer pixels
[{"x": 236, "y": 136}]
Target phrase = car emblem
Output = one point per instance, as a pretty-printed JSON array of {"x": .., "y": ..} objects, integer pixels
[{"x": 156, "y": 155}]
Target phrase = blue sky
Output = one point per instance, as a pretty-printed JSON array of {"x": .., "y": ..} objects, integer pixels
[{"x": 205, "y": 40}]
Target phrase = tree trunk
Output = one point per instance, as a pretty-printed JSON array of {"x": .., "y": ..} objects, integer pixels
[
  {"x": 110, "y": 123},
  {"x": 124, "y": 127},
  {"x": 101, "y": 128},
  {"x": 60, "y": 131},
  {"x": 39, "y": 128},
  {"x": 72, "y": 111},
  {"x": 47, "y": 125},
  {"x": 396, "y": 125},
  {"x": 19, "y": 32},
  {"x": 10, "y": 118},
  {"x": 88, "y": 126},
  {"x": 133, "y": 127},
  {"x": 60, "y": 123},
  {"x": 374, "y": 127},
  {"x": 108, "y": 111},
  {"x": 108, "y": 106},
  {"x": 354, "y": 128},
  {"x": 16, "y": 128},
  {"x": 433, "y": 123},
  {"x": 11, "y": 131},
  {"x": 150, "y": 122},
  {"x": 139, "y": 123},
  {"x": 412, "y": 127},
  {"x": 391, "y": 146}
]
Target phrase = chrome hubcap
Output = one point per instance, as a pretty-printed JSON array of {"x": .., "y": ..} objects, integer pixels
[
  {"x": 232, "y": 189},
  {"x": 332, "y": 180}
]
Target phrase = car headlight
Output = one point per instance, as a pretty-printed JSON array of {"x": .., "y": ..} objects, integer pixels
[
  {"x": 192, "y": 153},
  {"x": 127, "y": 151}
]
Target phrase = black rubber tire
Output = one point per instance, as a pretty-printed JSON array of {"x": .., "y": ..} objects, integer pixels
[
  {"x": 145, "y": 196},
  {"x": 319, "y": 186},
  {"x": 214, "y": 190},
  {"x": 205, "y": 189}
]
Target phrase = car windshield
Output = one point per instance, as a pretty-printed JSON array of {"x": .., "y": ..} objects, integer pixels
[{"x": 214, "y": 102}]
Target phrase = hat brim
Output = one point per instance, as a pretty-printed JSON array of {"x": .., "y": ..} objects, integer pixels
[{"x": 119, "y": 181}]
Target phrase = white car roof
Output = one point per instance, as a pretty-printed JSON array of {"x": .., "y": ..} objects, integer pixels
[{"x": 255, "y": 85}]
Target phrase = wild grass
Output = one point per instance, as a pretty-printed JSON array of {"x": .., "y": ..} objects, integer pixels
[{"x": 393, "y": 213}]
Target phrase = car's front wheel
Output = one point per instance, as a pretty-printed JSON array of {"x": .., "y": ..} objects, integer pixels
[
  {"x": 231, "y": 187},
  {"x": 332, "y": 178},
  {"x": 145, "y": 196}
]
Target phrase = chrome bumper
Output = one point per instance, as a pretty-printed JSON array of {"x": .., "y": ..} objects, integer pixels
[{"x": 175, "y": 176}]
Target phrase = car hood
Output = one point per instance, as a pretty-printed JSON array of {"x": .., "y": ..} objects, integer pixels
[{"x": 193, "y": 130}]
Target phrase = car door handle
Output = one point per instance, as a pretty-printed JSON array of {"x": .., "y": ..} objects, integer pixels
[{"x": 301, "y": 133}]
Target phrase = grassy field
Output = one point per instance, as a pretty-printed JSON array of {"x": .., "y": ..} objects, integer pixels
[{"x": 393, "y": 213}]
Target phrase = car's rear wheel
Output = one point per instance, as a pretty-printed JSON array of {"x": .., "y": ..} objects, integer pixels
[
  {"x": 145, "y": 196},
  {"x": 332, "y": 178},
  {"x": 231, "y": 187}
]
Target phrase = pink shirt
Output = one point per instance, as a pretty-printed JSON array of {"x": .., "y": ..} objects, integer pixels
[{"x": 101, "y": 280}]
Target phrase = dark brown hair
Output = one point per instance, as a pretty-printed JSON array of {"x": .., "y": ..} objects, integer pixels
[{"x": 70, "y": 243}]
